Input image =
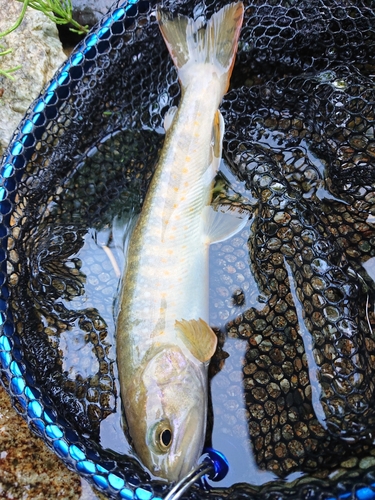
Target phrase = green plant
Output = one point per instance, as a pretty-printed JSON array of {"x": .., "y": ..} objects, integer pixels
[
  {"x": 7, "y": 72},
  {"x": 59, "y": 11}
]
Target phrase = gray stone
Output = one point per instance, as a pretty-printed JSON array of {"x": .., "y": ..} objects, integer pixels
[
  {"x": 90, "y": 11},
  {"x": 37, "y": 48}
]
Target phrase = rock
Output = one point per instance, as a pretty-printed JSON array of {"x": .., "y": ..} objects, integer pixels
[
  {"x": 90, "y": 11},
  {"x": 29, "y": 469},
  {"x": 37, "y": 48}
]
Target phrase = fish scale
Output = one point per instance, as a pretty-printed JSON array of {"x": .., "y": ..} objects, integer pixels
[{"x": 163, "y": 200}]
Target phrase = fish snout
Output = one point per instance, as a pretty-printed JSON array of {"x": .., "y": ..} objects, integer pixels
[{"x": 187, "y": 447}]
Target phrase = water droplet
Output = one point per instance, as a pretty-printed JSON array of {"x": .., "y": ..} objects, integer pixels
[{"x": 340, "y": 84}]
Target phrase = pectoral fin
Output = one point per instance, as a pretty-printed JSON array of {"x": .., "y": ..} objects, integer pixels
[{"x": 198, "y": 337}]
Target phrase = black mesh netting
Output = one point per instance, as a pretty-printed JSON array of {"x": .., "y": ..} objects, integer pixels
[{"x": 292, "y": 295}]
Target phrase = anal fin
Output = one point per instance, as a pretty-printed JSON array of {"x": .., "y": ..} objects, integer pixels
[
  {"x": 221, "y": 225},
  {"x": 169, "y": 116}
]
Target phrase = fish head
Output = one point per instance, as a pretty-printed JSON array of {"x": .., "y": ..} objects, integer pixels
[{"x": 166, "y": 415}]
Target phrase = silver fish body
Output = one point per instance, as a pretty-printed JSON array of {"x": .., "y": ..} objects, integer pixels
[{"x": 164, "y": 343}]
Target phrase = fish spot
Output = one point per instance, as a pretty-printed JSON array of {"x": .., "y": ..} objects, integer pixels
[
  {"x": 175, "y": 189},
  {"x": 186, "y": 184},
  {"x": 170, "y": 252},
  {"x": 187, "y": 159}
]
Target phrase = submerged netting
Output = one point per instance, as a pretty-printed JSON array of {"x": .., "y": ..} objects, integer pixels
[{"x": 294, "y": 290}]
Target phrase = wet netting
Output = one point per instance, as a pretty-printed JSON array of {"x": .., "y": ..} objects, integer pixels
[{"x": 292, "y": 295}]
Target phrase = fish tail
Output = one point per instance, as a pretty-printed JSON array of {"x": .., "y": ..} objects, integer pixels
[{"x": 190, "y": 42}]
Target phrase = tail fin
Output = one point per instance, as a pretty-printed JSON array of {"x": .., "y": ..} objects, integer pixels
[{"x": 190, "y": 43}]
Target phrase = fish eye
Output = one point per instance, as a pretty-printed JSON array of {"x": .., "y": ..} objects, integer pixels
[
  {"x": 165, "y": 438},
  {"x": 162, "y": 436}
]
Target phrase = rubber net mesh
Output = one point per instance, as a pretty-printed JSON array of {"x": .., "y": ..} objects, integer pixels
[{"x": 294, "y": 290}]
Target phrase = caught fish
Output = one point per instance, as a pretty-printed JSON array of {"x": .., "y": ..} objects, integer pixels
[{"x": 164, "y": 342}]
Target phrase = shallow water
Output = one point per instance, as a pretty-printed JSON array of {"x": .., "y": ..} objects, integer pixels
[{"x": 77, "y": 259}]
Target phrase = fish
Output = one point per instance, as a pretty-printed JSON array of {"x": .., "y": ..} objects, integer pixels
[{"x": 163, "y": 340}]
